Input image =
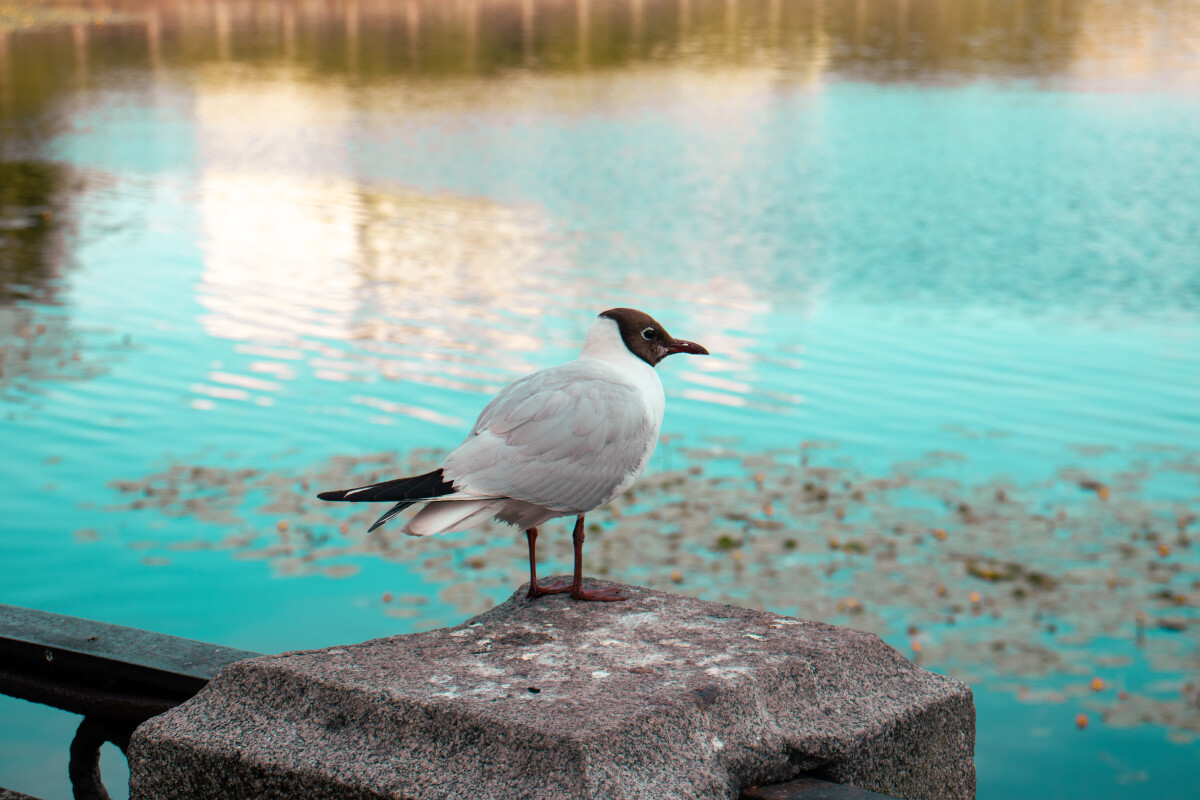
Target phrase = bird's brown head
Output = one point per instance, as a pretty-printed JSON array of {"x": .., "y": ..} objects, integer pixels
[{"x": 646, "y": 338}]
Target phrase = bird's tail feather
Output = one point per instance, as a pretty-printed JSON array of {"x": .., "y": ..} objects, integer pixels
[
  {"x": 405, "y": 490},
  {"x": 393, "y": 511},
  {"x": 449, "y": 515}
]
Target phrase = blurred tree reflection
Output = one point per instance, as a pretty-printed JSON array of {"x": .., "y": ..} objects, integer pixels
[
  {"x": 30, "y": 250},
  {"x": 376, "y": 40}
]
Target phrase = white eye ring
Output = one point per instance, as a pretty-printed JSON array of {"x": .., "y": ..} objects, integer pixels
[{"x": 648, "y": 333}]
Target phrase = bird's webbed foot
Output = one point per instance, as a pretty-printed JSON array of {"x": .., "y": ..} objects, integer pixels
[
  {"x": 537, "y": 590},
  {"x": 608, "y": 595}
]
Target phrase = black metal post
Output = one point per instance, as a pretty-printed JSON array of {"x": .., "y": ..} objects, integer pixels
[{"x": 116, "y": 677}]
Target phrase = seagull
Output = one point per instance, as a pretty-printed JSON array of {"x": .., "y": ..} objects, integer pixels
[{"x": 557, "y": 443}]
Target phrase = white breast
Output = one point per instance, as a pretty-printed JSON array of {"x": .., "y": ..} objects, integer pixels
[{"x": 604, "y": 343}]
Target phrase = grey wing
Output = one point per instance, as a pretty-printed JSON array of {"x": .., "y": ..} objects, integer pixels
[{"x": 564, "y": 438}]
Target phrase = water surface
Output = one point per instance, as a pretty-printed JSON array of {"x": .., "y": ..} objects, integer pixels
[{"x": 945, "y": 256}]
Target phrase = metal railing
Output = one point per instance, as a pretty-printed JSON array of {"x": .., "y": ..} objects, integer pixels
[{"x": 116, "y": 677}]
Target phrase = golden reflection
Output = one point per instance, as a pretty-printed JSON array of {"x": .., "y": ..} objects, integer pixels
[
  {"x": 288, "y": 21},
  {"x": 527, "y": 12},
  {"x": 224, "y": 30},
  {"x": 583, "y": 28},
  {"x": 6, "y": 90},
  {"x": 276, "y": 258},
  {"x": 1140, "y": 43},
  {"x": 413, "y": 19},
  {"x": 332, "y": 280},
  {"x": 26, "y": 15},
  {"x": 880, "y": 40},
  {"x": 154, "y": 41},
  {"x": 352, "y": 36},
  {"x": 79, "y": 34},
  {"x": 637, "y": 14},
  {"x": 294, "y": 266},
  {"x": 471, "y": 35},
  {"x": 296, "y": 263}
]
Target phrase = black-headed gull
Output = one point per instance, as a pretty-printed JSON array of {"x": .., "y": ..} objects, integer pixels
[{"x": 556, "y": 443}]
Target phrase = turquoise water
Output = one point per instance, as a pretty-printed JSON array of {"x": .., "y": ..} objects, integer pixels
[{"x": 246, "y": 262}]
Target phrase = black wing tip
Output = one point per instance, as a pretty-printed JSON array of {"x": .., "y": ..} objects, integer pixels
[
  {"x": 418, "y": 487},
  {"x": 391, "y": 512}
]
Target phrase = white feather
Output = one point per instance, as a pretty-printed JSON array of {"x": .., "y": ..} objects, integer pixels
[
  {"x": 446, "y": 516},
  {"x": 559, "y": 442}
]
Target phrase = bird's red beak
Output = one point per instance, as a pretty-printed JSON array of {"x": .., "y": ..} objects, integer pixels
[{"x": 680, "y": 346}]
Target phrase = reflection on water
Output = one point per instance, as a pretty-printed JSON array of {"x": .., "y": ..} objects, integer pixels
[
  {"x": 293, "y": 263},
  {"x": 882, "y": 40},
  {"x": 263, "y": 242},
  {"x": 36, "y": 343},
  {"x": 31, "y": 247}
]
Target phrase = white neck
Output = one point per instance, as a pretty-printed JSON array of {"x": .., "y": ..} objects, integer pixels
[{"x": 604, "y": 342}]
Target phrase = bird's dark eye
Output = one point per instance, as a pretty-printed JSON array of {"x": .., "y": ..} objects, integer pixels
[{"x": 649, "y": 334}]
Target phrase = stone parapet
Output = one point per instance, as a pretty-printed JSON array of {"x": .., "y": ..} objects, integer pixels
[{"x": 660, "y": 696}]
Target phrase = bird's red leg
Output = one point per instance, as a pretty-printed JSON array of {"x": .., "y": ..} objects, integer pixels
[
  {"x": 577, "y": 592},
  {"x": 534, "y": 589}
]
